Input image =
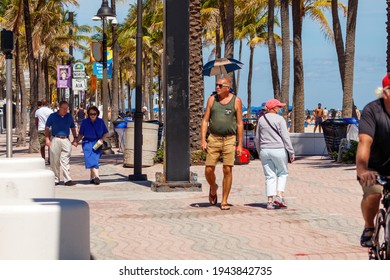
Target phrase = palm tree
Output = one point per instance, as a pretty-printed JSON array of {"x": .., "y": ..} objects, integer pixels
[
  {"x": 196, "y": 78},
  {"x": 300, "y": 9},
  {"x": 34, "y": 145},
  {"x": 298, "y": 97},
  {"x": 115, "y": 67},
  {"x": 285, "y": 26},
  {"x": 226, "y": 12},
  {"x": 272, "y": 49},
  {"x": 349, "y": 59}
]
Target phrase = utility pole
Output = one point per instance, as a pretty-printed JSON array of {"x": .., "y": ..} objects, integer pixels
[{"x": 7, "y": 46}]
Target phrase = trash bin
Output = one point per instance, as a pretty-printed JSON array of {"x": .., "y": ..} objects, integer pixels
[
  {"x": 334, "y": 130},
  {"x": 160, "y": 131},
  {"x": 149, "y": 144}
]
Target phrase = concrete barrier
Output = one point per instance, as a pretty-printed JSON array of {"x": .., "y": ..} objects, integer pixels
[
  {"x": 37, "y": 183},
  {"x": 44, "y": 229},
  {"x": 308, "y": 144},
  {"x": 21, "y": 164}
]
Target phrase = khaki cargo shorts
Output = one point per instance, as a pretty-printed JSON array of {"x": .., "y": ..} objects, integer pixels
[
  {"x": 218, "y": 146},
  {"x": 41, "y": 137},
  {"x": 374, "y": 189}
]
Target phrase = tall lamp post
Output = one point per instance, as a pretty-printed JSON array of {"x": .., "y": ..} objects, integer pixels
[
  {"x": 138, "y": 176},
  {"x": 7, "y": 46},
  {"x": 104, "y": 13}
]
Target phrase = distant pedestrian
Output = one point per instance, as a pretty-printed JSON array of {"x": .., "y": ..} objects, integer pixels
[
  {"x": 60, "y": 123},
  {"x": 80, "y": 115},
  {"x": 326, "y": 112},
  {"x": 41, "y": 116},
  {"x": 357, "y": 112},
  {"x": 274, "y": 146},
  {"x": 223, "y": 118},
  {"x": 145, "y": 113},
  {"x": 92, "y": 131},
  {"x": 318, "y": 117}
]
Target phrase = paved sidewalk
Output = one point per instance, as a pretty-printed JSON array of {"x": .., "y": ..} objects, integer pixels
[{"x": 129, "y": 221}]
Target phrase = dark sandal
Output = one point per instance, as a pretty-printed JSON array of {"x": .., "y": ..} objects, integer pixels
[
  {"x": 213, "y": 198},
  {"x": 225, "y": 207},
  {"x": 366, "y": 237}
]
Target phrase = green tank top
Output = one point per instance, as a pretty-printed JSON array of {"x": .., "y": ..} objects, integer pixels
[{"x": 223, "y": 120}]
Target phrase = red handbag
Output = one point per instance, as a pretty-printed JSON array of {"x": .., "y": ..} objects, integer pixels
[{"x": 244, "y": 158}]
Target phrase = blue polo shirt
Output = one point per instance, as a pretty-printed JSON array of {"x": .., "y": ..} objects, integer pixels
[
  {"x": 92, "y": 131},
  {"x": 60, "y": 125}
]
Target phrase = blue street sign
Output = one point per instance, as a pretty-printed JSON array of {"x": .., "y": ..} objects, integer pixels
[{"x": 98, "y": 70}]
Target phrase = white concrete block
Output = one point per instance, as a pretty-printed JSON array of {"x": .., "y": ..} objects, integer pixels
[
  {"x": 306, "y": 144},
  {"x": 44, "y": 229},
  {"x": 21, "y": 163},
  {"x": 38, "y": 183}
]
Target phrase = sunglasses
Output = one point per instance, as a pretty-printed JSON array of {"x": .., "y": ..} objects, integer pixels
[
  {"x": 92, "y": 114},
  {"x": 221, "y": 85}
]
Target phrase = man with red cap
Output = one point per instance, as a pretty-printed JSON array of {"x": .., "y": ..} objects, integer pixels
[{"x": 373, "y": 156}]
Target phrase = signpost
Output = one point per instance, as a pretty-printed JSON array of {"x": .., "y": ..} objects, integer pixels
[{"x": 79, "y": 81}]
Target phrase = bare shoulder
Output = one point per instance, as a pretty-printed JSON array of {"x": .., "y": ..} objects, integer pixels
[{"x": 238, "y": 102}]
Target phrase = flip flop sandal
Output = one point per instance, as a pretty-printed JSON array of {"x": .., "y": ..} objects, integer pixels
[
  {"x": 225, "y": 207},
  {"x": 213, "y": 198}
]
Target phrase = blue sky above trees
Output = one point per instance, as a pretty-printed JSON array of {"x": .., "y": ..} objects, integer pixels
[{"x": 322, "y": 78}]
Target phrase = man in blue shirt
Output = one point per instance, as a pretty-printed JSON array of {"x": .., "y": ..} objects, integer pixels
[{"x": 61, "y": 123}]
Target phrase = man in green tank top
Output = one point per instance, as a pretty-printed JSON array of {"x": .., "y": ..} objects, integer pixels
[{"x": 223, "y": 117}]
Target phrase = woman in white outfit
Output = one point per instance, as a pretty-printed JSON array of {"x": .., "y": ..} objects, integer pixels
[{"x": 274, "y": 147}]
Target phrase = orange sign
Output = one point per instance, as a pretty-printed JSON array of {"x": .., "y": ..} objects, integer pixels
[{"x": 93, "y": 82}]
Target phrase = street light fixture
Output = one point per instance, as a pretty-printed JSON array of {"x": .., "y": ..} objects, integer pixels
[{"x": 103, "y": 14}]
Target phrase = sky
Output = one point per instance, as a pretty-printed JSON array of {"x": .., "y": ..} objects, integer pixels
[{"x": 322, "y": 79}]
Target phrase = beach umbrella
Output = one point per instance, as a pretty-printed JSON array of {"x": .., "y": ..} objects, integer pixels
[{"x": 221, "y": 66}]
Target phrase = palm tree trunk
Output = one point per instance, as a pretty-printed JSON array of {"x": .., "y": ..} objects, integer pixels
[
  {"x": 251, "y": 54},
  {"x": 299, "y": 95},
  {"x": 196, "y": 78},
  {"x": 226, "y": 10},
  {"x": 114, "y": 79},
  {"x": 349, "y": 58},
  {"x": 46, "y": 78},
  {"x": 218, "y": 44},
  {"x": 129, "y": 95},
  {"x": 272, "y": 50},
  {"x": 146, "y": 84},
  {"x": 339, "y": 42},
  {"x": 34, "y": 145},
  {"x": 239, "y": 71},
  {"x": 150, "y": 89},
  {"x": 21, "y": 87},
  {"x": 122, "y": 95},
  {"x": 285, "y": 55}
]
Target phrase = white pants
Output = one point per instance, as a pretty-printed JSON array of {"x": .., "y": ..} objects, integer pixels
[
  {"x": 60, "y": 152},
  {"x": 274, "y": 163}
]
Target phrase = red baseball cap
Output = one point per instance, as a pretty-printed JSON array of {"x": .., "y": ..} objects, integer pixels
[
  {"x": 272, "y": 103},
  {"x": 386, "y": 81}
]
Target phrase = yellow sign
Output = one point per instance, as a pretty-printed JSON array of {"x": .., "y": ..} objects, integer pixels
[{"x": 53, "y": 97}]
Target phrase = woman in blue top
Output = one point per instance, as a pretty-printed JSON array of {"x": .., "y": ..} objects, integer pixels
[{"x": 92, "y": 129}]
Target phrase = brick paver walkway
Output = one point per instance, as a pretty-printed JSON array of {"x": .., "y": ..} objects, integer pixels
[{"x": 129, "y": 221}]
